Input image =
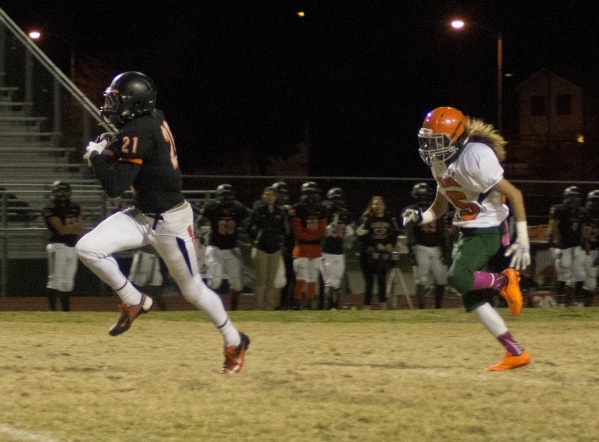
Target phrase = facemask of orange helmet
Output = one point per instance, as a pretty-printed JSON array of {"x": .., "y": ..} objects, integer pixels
[{"x": 442, "y": 135}]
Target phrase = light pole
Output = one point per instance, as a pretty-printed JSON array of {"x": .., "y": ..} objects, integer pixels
[
  {"x": 36, "y": 35},
  {"x": 459, "y": 25}
]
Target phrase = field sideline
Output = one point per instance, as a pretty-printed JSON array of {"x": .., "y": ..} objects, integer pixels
[{"x": 400, "y": 375}]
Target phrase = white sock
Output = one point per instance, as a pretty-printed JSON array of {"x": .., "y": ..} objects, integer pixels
[
  {"x": 203, "y": 298},
  {"x": 491, "y": 319},
  {"x": 129, "y": 294},
  {"x": 230, "y": 334}
]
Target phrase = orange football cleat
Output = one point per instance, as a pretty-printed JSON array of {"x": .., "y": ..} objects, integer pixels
[
  {"x": 511, "y": 292},
  {"x": 510, "y": 362},
  {"x": 235, "y": 356}
]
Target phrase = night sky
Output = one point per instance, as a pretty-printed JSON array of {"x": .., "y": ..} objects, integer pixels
[{"x": 353, "y": 79}]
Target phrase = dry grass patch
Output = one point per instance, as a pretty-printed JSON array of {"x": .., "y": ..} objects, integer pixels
[{"x": 309, "y": 376}]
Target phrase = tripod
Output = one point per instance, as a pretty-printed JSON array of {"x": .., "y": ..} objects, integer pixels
[{"x": 396, "y": 281}]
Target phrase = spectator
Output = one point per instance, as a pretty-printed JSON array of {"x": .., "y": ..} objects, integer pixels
[
  {"x": 339, "y": 231},
  {"x": 226, "y": 216},
  {"x": 282, "y": 202},
  {"x": 377, "y": 235},
  {"x": 63, "y": 218},
  {"x": 148, "y": 270},
  {"x": 266, "y": 229},
  {"x": 464, "y": 156},
  {"x": 564, "y": 238},
  {"x": 309, "y": 227},
  {"x": 427, "y": 244}
]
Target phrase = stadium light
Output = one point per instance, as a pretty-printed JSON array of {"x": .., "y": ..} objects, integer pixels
[
  {"x": 458, "y": 25},
  {"x": 36, "y": 35}
]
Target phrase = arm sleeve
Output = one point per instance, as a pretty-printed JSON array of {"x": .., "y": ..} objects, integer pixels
[
  {"x": 252, "y": 228},
  {"x": 117, "y": 180}
]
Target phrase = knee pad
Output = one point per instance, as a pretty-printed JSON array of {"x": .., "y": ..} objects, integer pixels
[{"x": 475, "y": 298}]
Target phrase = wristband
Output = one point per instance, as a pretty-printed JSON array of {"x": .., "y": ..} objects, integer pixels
[
  {"x": 427, "y": 217},
  {"x": 521, "y": 229}
]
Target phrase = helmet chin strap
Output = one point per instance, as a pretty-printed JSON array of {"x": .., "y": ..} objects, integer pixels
[{"x": 459, "y": 147}]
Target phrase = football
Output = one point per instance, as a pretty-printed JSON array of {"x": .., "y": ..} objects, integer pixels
[{"x": 110, "y": 154}]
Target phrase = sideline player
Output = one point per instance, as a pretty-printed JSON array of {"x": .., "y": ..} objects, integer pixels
[
  {"x": 564, "y": 237},
  {"x": 226, "y": 216},
  {"x": 464, "y": 156},
  {"x": 142, "y": 156},
  {"x": 63, "y": 218},
  {"x": 339, "y": 232},
  {"x": 427, "y": 244},
  {"x": 590, "y": 244},
  {"x": 309, "y": 227}
]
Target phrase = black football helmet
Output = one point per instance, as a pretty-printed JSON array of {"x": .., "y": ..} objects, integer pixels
[
  {"x": 61, "y": 192},
  {"x": 282, "y": 192},
  {"x": 421, "y": 192},
  {"x": 224, "y": 195},
  {"x": 336, "y": 198},
  {"x": 130, "y": 95},
  {"x": 572, "y": 196},
  {"x": 310, "y": 193},
  {"x": 592, "y": 202}
]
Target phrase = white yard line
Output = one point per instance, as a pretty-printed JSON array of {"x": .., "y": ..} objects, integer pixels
[{"x": 15, "y": 433}]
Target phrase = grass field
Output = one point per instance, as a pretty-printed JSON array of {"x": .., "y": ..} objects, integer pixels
[{"x": 309, "y": 376}]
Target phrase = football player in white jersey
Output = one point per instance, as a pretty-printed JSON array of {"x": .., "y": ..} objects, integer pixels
[{"x": 464, "y": 155}]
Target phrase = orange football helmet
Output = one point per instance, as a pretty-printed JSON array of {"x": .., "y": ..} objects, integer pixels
[{"x": 442, "y": 135}]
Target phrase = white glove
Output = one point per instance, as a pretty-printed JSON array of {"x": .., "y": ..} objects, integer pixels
[
  {"x": 520, "y": 250},
  {"x": 94, "y": 147},
  {"x": 412, "y": 216}
]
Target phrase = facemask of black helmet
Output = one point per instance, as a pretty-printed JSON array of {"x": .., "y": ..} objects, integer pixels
[
  {"x": 336, "y": 198},
  {"x": 592, "y": 203},
  {"x": 225, "y": 195},
  {"x": 61, "y": 194},
  {"x": 310, "y": 194},
  {"x": 129, "y": 96},
  {"x": 572, "y": 197}
]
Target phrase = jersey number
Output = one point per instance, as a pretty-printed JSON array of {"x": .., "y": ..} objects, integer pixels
[
  {"x": 226, "y": 227},
  {"x": 168, "y": 137},
  {"x": 312, "y": 223},
  {"x": 468, "y": 211}
]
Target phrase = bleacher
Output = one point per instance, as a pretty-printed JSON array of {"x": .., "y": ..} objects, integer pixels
[
  {"x": 31, "y": 159},
  {"x": 27, "y": 152}
]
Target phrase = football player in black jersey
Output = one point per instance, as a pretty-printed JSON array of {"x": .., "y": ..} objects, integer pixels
[
  {"x": 63, "y": 218},
  {"x": 142, "y": 156},
  {"x": 564, "y": 239},
  {"x": 225, "y": 215},
  {"x": 427, "y": 243},
  {"x": 590, "y": 245},
  {"x": 339, "y": 233},
  {"x": 309, "y": 228}
]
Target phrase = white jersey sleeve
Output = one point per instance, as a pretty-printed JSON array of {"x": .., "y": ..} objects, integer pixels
[{"x": 468, "y": 182}]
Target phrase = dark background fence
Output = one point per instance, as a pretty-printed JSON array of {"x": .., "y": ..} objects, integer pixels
[{"x": 25, "y": 273}]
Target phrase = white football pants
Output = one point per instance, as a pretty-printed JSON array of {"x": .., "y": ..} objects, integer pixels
[
  {"x": 62, "y": 267},
  {"x": 173, "y": 239},
  {"x": 429, "y": 260},
  {"x": 332, "y": 268}
]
